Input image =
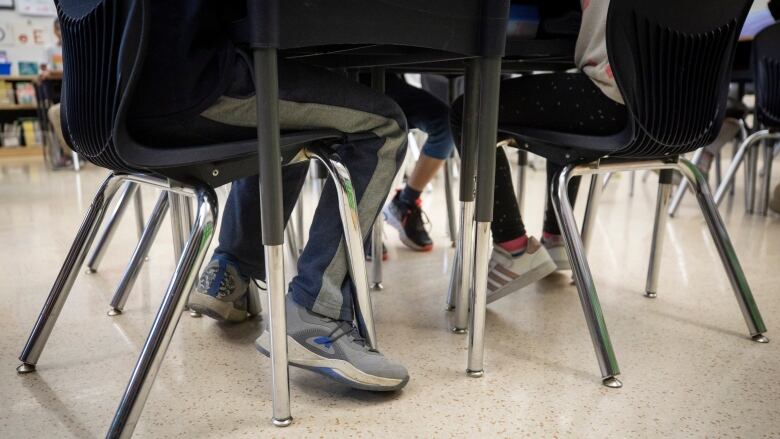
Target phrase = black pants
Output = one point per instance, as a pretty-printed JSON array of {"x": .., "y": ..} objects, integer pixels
[{"x": 566, "y": 102}]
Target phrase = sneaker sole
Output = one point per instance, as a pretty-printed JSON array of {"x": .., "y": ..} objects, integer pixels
[
  {"x": 523, "y": 281},
  {"x": 215, "y": 308},
  {"x": 338, "y": 370},
  {"x": 393, "y": 221}
]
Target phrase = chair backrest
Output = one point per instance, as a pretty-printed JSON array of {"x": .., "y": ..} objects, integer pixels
[
  {"x": 672, "y": 62},
  {"x": 766, "y": 72},
  {"x": 102, "y": 51}
]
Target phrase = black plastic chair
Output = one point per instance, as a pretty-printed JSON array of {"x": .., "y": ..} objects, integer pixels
[
  {"x": 408, "y": 32},
  {"x": 105, "y": 40},
  {"x": 766, "y": 74},
  {"x": 672, "y": 61}
]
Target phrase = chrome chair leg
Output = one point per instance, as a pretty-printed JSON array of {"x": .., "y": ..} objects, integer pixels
[
  {"x": 187, "y": 223},
  {"x": 631, "y": 181},
  {"x": 584, "y": 279},
  {"x": 277, "y": 325},
  {"x": 592, "y": 206},
  {"x": 683, "y": 186},
  {"x": 718, "y": 168},
  {"x": 167, "y": 318},
  {"x": 181, "y": 222},
  {"x": 138, "y": 203},
  {"x": 76, "y": 163},
  {"x": 746, "y": 146},
  {"x": 607, "y": 178},
  {"x": 353, "y": 238},
  {"x": 376, "y": 253},
  {"x": 769, "y": 155},
  {"x": 139, "y": 255},
  {"x": 67, "y": 275},
  {"x": 657, "y": 244},
  {"x": 108, "y": 231},
  {"x": 254, "y": 308},
  {"x": 487, "y": 109},
  {"x": 176, "y": 224},
  {"x": 452, "y": 226},
  {"x": 728, "y": 256},
  {"x": 478, "y": 300},
  {"x": 753, "y": 177},
  {"x": 461, "y": 286},
  {"x": 454, "y": 284}
]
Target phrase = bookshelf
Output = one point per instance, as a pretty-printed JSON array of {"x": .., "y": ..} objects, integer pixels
[
  {"x": 11, "y": 111},
  {"x": 21, "y": 151}
]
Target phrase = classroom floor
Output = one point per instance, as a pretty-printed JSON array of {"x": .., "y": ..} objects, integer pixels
[{"x": 688, "y": 367}]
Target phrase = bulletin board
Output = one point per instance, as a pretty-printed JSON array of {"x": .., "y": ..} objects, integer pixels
[{"x": 41, "y": 8}]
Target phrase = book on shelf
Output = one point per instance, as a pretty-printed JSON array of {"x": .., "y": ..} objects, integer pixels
[
  {"x": 25, "y": 93},
  {"x": 11, "y": 132},
  {"x": 7, "y": 95}
]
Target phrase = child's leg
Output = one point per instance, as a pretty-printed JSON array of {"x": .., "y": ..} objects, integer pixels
[
  {"x": 427, "y": 113},
  {"x": 312, "y": 98},
  {"x": 320, "y": 313},
  {"x": 239, "y": 234},
  {"x": 507, "y": 226}
]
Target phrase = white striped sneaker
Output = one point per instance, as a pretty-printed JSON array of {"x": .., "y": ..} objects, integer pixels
[
  {"x": 508, "y": 274},
  {"x": 557, "y": 252}
]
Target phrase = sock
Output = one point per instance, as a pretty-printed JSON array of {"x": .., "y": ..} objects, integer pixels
[
  {"x": 409, "y": 195},
  {"x": 516, "y": 246},
  {"x": 551, "y": 238}
]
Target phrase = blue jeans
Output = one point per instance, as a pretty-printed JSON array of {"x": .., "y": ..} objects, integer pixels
[
  {"x": 425, "y": 112},
  {"x": 315, "y": 99}
]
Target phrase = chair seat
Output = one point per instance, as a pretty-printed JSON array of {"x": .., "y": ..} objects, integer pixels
[
  {"x": 566, "y": 148},
  {"x": 219, "y": 164}
]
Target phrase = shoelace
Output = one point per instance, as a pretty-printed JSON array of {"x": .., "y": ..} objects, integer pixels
[
  {"x": 420, "y": 220},
  {"x": 347, "y": 328}
]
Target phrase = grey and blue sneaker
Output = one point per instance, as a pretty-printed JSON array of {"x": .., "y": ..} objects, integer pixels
[
  {"x": 223, "y": 293},
  {"x": 335, "y": 349}
]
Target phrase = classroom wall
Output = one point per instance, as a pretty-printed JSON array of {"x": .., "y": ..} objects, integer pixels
[
  {"x": 14, "y": 24},
  {"x": 25, "y": 37}
]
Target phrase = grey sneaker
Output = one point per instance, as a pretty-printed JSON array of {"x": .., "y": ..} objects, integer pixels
[
  {"x": 334, "y": 348},
  {"x": 223, "y": 294}
]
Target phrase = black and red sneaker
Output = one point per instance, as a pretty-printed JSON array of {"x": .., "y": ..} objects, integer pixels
[{"x": 410, "y": 221}]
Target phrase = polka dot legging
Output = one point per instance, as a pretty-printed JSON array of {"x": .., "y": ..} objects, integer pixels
[{"x": 566, "y": 102}]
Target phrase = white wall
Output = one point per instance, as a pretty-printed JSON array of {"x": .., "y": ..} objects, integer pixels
[{"x": 15, "y": 24}]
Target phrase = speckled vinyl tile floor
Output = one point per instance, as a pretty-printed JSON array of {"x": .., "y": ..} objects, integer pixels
[{"x": 688, "y": 368}]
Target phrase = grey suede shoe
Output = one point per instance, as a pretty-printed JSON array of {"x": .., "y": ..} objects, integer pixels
[
  {"x": 223, "y": 294},
  {"x": 334, "y": 348}
]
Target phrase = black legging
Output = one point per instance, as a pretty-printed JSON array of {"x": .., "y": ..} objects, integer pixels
[{"x": 567, "y": 102}]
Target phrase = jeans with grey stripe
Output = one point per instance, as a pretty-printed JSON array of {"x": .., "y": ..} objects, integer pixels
[{"x": 311, "y": 98}]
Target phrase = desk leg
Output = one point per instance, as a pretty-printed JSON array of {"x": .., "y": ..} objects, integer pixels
[
  {"x": 460, "y": 280},
  {"x": 269, "y": 157},
  {"x": 522, "y": 166},
  {"x": 377, "y": 248},
  {"x": 490, "y": 78}
]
